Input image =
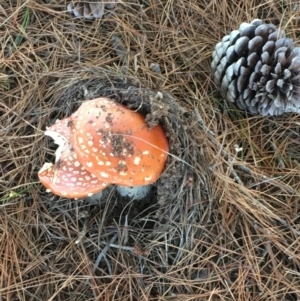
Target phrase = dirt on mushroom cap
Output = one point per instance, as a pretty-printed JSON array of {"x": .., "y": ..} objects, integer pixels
[{"x": 116, "y": 144}]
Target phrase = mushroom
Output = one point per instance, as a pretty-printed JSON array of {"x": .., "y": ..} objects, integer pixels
[
  {"x": 104, "y": 143},
  {"x": 67, "y": 177},
  {"x": 116, "y": 145}
]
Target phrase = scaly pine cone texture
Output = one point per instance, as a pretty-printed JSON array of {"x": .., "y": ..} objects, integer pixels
[
  {"x": 90, "y": 9},
  {"x": 258, "y": 68}
]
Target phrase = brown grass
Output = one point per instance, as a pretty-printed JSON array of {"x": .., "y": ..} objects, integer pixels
[{"x": 234, "y": 236}]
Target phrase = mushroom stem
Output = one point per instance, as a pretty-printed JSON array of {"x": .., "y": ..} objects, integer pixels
[{"x": 134, "y": 193}]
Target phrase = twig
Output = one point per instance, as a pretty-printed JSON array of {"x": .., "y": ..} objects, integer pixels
[
  {"x": 233, "y": 172},
  {"x": 82, "y": 232},
  {"x": 166, "y": 248},
  {"x": 201, "y": 122},
  {"x": 100, "y": 256},
  {"x": 125, "y": 240},
  {"x": 118, "y": 246},
  {"x": 284, "y": 187},
  {"x": 103, "y": 254}
]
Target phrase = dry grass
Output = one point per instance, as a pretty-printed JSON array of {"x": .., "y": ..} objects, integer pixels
[{"x": 233, "y": 236}]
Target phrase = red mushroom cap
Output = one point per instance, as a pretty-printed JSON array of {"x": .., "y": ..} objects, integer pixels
[
  {"x": 115, "y": 144},
  {"x": 67, "y": 177}
]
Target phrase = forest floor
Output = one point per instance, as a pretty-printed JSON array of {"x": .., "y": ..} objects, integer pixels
[{"x": 222, "y": 223}]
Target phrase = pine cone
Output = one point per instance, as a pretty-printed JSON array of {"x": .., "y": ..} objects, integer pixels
[
  {"x": 90, "y": 9},
  {"x": 258, "y": 68}
]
